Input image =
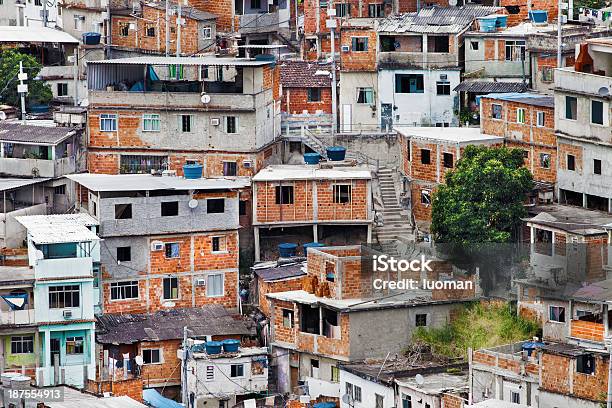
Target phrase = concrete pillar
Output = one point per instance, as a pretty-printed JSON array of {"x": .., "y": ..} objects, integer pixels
[
  {"x": 610, "y": 205},
  {"x": 1, "y": 149},
  {"x": 584, "y": 200},
  {"x": 52, "y": 152},
  {"x": 369, "y": 234},
  {"x": 257, "y": 249},
  {"x": 315, "y": 233}
]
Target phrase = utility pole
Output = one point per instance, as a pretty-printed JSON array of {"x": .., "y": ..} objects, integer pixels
[
  {"x": 167, "y": 27},
  {"x": 179, "y": 22},
  {"x": 44, "y": 11},
  {"x": 559, "y": 39},
  {"x": 22, "y": 89},
  {"x": 184, "y": 376},
  {"x": 609, "y": 398},
  {"x": 75, "y": 72},
  {"x": 331, "y": 24}
]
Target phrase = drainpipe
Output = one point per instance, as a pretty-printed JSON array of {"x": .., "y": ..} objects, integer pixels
[{"x": 609, "y": 398}]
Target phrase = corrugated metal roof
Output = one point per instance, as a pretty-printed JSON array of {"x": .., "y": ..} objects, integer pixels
[
  {"x": 58, "y": 229},
  {"x": 490, "y": 87},
  {"x": 7, "y": 184},
  {"x": 41, "y": 135},
  {"x": 22, "y": 34},
  {"x": 279, "y": 272},
  {"x": 436, "y": 19},
  {"x": 159, "y": 60},
  {"x": 528, "y": 98}
]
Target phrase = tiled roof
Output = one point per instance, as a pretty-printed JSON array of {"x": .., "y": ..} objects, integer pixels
[
  {"x": 301, "y": 74},
  {"x": 490, "y": 87}
]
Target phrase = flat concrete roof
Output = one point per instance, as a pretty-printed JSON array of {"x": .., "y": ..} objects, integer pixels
[
  {"x": 58, "y": 229},
  {"x": 21, "y": 34},
  {"x": 311, "y": 172},
  {"x": 207, "y": 61},
  {"x": 76, "y": 399},
  {"x": 436, "y": 383},
  {"x": 457, "y": 135},
  {"x": 18, "y": 275},
  {"x": 494, "y": 403},
  {"x": 569, "y": 218},
  {"x": 147, "y": 182}
]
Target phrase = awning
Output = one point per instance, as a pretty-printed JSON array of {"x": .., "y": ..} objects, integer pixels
[
  {"x": 156, "y": 400},
  {"x": 488, "y": 87}
]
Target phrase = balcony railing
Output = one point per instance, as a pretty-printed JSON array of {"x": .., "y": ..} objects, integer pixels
[
  {"x": 16, "y": 317},
  {"x": 64, "y": 268}
]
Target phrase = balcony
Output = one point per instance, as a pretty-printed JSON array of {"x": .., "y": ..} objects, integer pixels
[
  {"x": 580, "y": 82},
  {"x": 417, "y": 59},
  {"x": 64, "y": 268},
  {"x": 17, "y": 317},
  {"x": 27, "y": 167}
]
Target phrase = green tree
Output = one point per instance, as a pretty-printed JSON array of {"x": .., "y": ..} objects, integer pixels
[
  {"x": 482, "y": 199},
  {"x": 38, "y": 91}
]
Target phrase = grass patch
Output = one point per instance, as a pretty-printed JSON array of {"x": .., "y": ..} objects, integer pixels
[{"x": 478, "y": 325}]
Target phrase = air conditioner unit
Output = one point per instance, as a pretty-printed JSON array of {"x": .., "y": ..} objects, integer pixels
[
  {"x": 67, "y": 314},
  {"x": 443, "y": 77},
  {"x": 157, "y": 246},
  {"x": 201, "y": 282},
  {"x": 215, "y": 121},
  {"x": 345, "y": 48},
  {"x": 247, "y": 164}
]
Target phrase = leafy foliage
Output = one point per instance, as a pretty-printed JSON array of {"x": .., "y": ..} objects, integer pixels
[
  {"x": 38, "y": 91},
  {"x": 482, "y": 200},
  {"x": 479, "y": 325}
]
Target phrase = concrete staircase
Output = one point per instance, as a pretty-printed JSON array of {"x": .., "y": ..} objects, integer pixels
[{"x": 394, "y": 224}]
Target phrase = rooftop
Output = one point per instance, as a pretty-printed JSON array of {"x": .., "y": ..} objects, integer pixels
[
  {"x": 23, "y": 34},
  {"x": 451, "y": 134},
  {"x": 186, "y": 11},
  {"x": 495, "y": 403},
  {"x": 311, "y": 172},
  {"x": 16, "y": 275},
  {"x": 606, "y": 41},
  {"x": 242, "y": 352},
  {"x": 436, "y": 383},
  {"x": 274, "y": 271},
  {"x": 576, "y": 220},
  {"x": 600, "y": 292},
  {"x": 73, "y": 398},
  {"x": 305, "y": 74},
  {"x": 566, "y": 349},
  {"x": 8, "y": 183},
  {"x": 16, "y": 132},
  {"x": 521, "y": 29},
  {"x": 527, "y": 98},
  {"x": 148, "y": 182},
  {"x": 209, "y": 320},
  {"x": 490, "y": 86},
  {"x": 57, "y": 229},
  {"x": 194, "y": 61}
]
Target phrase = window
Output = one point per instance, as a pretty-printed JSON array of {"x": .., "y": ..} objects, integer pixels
[
  {"x": 357, "y": 393},
  {"x": 171, "y": 288},
  {"x": 185, "y": 123},
  {"x": 255, "y": 4},
  {"x": 288, "y": 318},
  {"x": 596, "y": 166},
  {"x": 314, "y": 368},
  {"x": 335, "y": 374},
  {"x": 206, "y": 33},
  {"x": 172, "y": 250},
  {"x": 520, "y": 115},
  {"x": 62, "y": 89},
  {"x": 359, "y": 44},
  {"x": 78, "y": 20},
  {"x": 571, "y": 108},
  {"x": 515, "y": 397},
  {"x": 376, "y": 10},
  {"x": 545, "y": 160},
  {"x": 150, "y": 122},
  {"x": 22, "y": 344},
  {"x": 169, "y": 208},
  {"x": 406, "y": 401},
  {"x": 496, "y": 111},
  {"x": 151, "y": 356},
  {"x": 123, "y": 211},
  {"x": 214, "y": 285},
  {"x": 585, "y": 364},
  {"x": 425, "y": 197},
  {"x": 314, "y": 94},
  {"x": 61, "y": 297},
  {"x": 342, "y": 193},
  {"x": 150, "y": 30},
  {"x": 124, "y": 290},
  {"x": 571, "y": 162},
  {"x": 597, "y": 110},
  {"x": 409, "y": 83},
  {"x": 124, "y": 29},
  {"x": 349, "y": 389},
  {"x": 38, "y": 2},
  {"x": 124, "y": 254},
  {"x": 556, "y": 314},
  {"x": 515, "y": 50},
  {"x": 343, "y": 10},
  {"x": 215, "y": 205},
  {"x": 242, "y": 207},
  {"x": 438, "y": 43},
  {"x": 425, "y": 156},
  {"x": 61, "y": 189},
  {"x": 284, "y": 194},
  {"x": 421, "y": 320},
  {"x": 210, "y": 373},
  {"x": 380, "y": 401},
  {"x": 141, "y": 164},
  {"x": 443, "y": 88},
  {"x": 365, "y": 95},
  {"x": 74, "y": 345},
  {"x": 548, "y": 74},
  {"x": 231, "y": 124},
  {"x": 448, "y": 160},
  {"x": 474, "y": 45},
  {"x": 237, "y": 370},
  {"x": 219, "y": 244},
  {"x": 540, "y": 119},
  {"x": 230, "y": 168},
  {"x": 108, "y": 122},
  {"x": 525, "y": 154}
]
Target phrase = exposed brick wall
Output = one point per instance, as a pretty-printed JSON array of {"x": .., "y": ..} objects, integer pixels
[
  {"x": 14, "y": 256},
  {"x": 587, "y": 330},
  {"x": 284, "y": 285},
  {"x": 452, "y": 401},
  {"x": 295, "y": 101},
  {"x": 358, "y": 61},
  {"x": 576, "y": 151},
  {"x": 131, "y": 387},
  {"x": 104, "y": 163},
  {"x": 169, "y": 370},
  {"x": 421, "y": 211},
  {"x": 515, "y": 19},
  {"x": 223, "y": 9},
  {"x": 125, "y": 136}
]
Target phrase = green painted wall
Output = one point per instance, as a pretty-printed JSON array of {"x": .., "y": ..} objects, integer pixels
[{"x": 18, "y": 360}]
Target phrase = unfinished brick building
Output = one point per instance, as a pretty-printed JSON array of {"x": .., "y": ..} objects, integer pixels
[
  {"x": 426, "y": 155},
  {"x": 306, "y": 88}
]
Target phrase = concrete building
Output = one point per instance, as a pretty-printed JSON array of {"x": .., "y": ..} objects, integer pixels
[
  {"x": 582, "y": 124},
  {"x": 426, "y": 155},
  {"x": 276, "y": 276},
  {"x": 62, "y": 251},
  {"x": 311, "y": 203},
  {"x": 420, "y": 61},
  {"x": 168, "y": 241},
  {"x": 228, "y": 376}
]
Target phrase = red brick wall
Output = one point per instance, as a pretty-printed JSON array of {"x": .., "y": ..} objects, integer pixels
[
  {"x": 223, "y": 9},
  {"x": 295, "y": 101},
  {"x": 169, "y": 370},
  {"x": 576, "y": 151},
  {"x": 358, "y": 60},
  {"x": 556, "y": 372},
  {"x": 131, "y": 387},
  {"x": 284, "y": 285},
  {"x": 515, "y": 19},
  {"x": 587, "y": 330},
  {"x": 452, "y": 401}
]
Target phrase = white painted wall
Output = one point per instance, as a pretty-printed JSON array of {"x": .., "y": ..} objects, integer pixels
[{"x": 369, "y": 389}]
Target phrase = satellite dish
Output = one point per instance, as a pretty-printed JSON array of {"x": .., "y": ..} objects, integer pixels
[
  {"x": 205, "y": 98},
  {"x": 193, "y": 203},
  {"x": 347, "y": 399},
  {"x": 138, "y": 360},
  {"x": 419, "y": 379},
  {"x": 603, "y": 91},
  {"x": 39, "y": 255},
  {"x": 452, "y": 3}
]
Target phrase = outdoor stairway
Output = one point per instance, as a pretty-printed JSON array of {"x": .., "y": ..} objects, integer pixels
[{"x": 394, "y": 224}]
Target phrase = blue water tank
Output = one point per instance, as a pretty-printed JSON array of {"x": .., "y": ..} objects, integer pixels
[
  {"x": 487, "y": 24},
  {"x": 312, "y": 245},
  {"x": 213, "y": 347},
  {"x": 287, "y": 249},
  {"x": 91, "y": 38},
  {"x": 193, "y": 171},
  {"x": 530, "y": 346},
  {"x": 231, "y": 345},
  {"x": 538, "y": 16},
  {"x": 336, "y": 153},
  {"x": 312, "y": 158},
  {"x": 501, "y": 21}
]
